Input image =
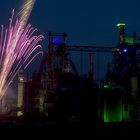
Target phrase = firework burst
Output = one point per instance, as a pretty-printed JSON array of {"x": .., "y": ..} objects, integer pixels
[{"x": 17, "y": 47}]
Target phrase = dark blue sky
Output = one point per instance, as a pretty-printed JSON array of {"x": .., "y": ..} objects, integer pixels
[
  {"x": 86, "y": 22},
  {"x": 90, "y": 22}
]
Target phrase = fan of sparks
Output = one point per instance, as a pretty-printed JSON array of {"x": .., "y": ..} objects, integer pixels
[{"x": 18, "y": 48}]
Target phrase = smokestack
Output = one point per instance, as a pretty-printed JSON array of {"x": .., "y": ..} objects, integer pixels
[
  {"x": 121, "y": 32},
  {"x": 20, "y": 93}
]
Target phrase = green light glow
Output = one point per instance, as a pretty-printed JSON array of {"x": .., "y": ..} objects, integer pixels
[
  {"x": 106, "y": 86},
  {"x": 113, "y": 114},
  {"x": 121, "y": 24},
  {"x": 19, "y": 113},
  {"x": 117, "y": 113},
  {"x": 129, "y": 40},
  {"x": 127, "y": 114},
  {"x": 112, "y": 110}
]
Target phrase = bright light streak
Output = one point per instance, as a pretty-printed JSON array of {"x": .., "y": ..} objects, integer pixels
[
  {"x": 120, "y": 24},
  {"x": 18, "y": 48},
  {"x": 25, "y": 12}
]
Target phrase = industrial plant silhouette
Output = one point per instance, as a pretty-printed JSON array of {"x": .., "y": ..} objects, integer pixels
[{"x": 59, "y": 93}]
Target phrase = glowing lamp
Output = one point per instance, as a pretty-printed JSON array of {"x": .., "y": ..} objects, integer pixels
[
  {"x": 120, "y": 24},
  {"x": 125, "y": 50}
]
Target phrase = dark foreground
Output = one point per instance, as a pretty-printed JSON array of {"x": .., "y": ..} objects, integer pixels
[{"x": 70, "y": 129}]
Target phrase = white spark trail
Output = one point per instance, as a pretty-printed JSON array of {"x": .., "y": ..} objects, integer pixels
[{"x": 25, "y": 12}]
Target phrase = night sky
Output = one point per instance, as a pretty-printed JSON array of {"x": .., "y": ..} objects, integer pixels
[
  {"x": 90, "y": 22},
  {"x": 86, "y": 22}
]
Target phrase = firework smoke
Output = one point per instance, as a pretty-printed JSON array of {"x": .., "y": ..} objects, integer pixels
[
  {"x": 16, "y": 50},
  {"x": 25, "y": 12}
]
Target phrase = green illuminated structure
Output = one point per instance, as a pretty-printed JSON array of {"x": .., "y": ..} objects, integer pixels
[
  {"x": 112, "y": 106},
  {"x": 120, "y": 91},
  {"x": 121, "y": 32},
  {"x": 127, "y": 112},
  {"x": 116, "y": 107},
  {"x": 129, "y": 40}
]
